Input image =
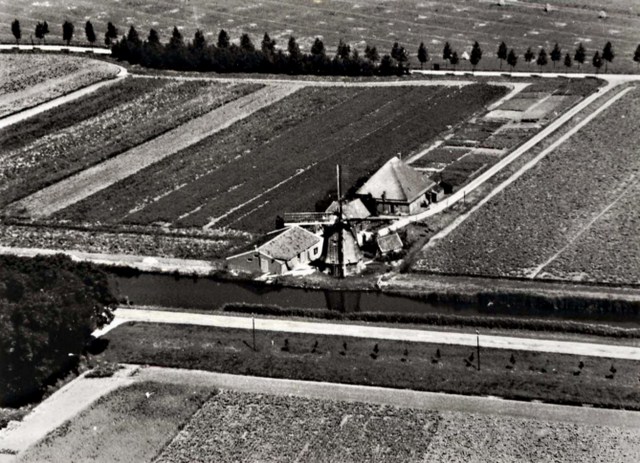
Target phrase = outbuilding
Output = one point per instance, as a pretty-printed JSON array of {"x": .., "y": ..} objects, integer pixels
[{"x": 284, "y": 250}]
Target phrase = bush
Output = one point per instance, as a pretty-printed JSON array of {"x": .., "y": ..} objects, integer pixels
[{"x": 49, "y": 306}]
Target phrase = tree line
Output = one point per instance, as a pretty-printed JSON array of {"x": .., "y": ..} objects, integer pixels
[{"x": 224, "y": 56}]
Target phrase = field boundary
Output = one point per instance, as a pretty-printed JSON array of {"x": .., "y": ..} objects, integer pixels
[{"x": 69, "y": 191}]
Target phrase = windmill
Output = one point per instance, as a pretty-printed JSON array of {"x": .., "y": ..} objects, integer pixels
[{"x": 341, "y": 249}]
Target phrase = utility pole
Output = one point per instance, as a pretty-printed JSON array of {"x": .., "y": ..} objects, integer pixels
[
  {"x": 478, "y": 344},
  {"x": 253, "y": 330}
]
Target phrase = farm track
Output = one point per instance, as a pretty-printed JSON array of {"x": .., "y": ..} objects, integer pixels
[
  {"x": 61, "y": 406},
  {"x": 73, "y": 189},
  {"x": 125, "y": 315},
  {"x": 56, "y": 102}
]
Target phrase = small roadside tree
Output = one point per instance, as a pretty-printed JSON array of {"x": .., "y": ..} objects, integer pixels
[
  {"x": 111, "y": 35},
  {"x": 476, "y": 55},
  {"x": 67, "y": 31},
  {"x": 597, "y": 61},
  {"x": 567, "y": 60},
  {"x": 90, "y": 33},
  {"x": 512, "y": 59},
  {"x": 454, "y": 60},
  {"x": 423, "y": 55},
  {"x": 580, "y": 55},
  {"x": 343, "y": 50},
  {"x": 636, "y": 55},
  {"x": 556, "y": 54},
  {"x": 529, "y": 55},
  {"x": 542, "y": 58},
  {"x": 447, "y": 52},
  {"x": 42, "y": 29},
  {"x": 317, "y": 49},
  {"x": 15, "y": 30},
  {"x": 607, "y": 55},
  {"x": 502, "y": 53},
  {"x": 246, "y": 44}
]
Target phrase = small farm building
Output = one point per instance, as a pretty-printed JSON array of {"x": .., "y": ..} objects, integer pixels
[
  {"x": 437, "y": 193},
  {"x": 284, "y": 250},
  {"x": 398, "y": 189},
  {"x": 389, "y": 243}
]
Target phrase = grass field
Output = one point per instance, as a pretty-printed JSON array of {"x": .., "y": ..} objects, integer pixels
[
  {"x": 131, "y": 424},
  {"x": 578, "y": 193},
  {"x": 28, "y": 80},
  {"x": 153, "y": 107},
  {"x": 381, "y": 22},
  {"x": 359, "y": 128},
  {"x": 526, "y": 375}
]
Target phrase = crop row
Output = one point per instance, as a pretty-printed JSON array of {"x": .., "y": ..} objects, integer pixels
[
  {"x": 260, "y": 427},
  {"x": 539, "y": 214},
  {"x": 231, "y": 145},
  {"x": 27, "y": 80},
  {"x": 359, "y": 129},
  {"x": 67, "y": 151}
]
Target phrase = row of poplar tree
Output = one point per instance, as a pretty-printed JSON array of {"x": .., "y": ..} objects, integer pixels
[{"x": 225, "y": 56}]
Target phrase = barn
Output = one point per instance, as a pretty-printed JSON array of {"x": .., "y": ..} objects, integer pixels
[{"x": 282, "y": 251}]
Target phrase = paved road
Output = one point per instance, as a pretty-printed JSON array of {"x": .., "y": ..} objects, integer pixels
[
  {"x": 124, "y": 315},
  {"x": 396, "y": 397},
  {"x": 72, "y": 49}
]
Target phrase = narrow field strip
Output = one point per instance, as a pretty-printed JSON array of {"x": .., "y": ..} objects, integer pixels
[
  {"x": 73, "y": 189},
  {"x": 376, "y": 332},
  {"x": 577, "y": 236}
]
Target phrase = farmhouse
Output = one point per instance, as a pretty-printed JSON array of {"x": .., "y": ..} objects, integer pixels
[
  {"x": 398, "y": 189},
  {"x": 284, "y": 250}
]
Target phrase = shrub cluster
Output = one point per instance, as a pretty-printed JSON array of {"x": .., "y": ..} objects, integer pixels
[{"x": 49, "y": 306}]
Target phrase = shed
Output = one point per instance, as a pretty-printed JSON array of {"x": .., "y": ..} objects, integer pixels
[{"x": 389, "y": 243}]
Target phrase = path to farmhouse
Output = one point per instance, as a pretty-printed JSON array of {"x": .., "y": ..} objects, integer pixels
[
  {"x": 82, "y": 185},
  {"x": 124, "y": 315}
]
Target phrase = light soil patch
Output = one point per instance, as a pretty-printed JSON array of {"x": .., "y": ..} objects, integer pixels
[{"x": 69, "y": 191}]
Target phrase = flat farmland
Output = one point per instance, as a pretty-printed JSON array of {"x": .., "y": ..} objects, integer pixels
[
  {"x": 143, "y": 111},
  {"x": 130, "y": 424},
  {"x": 520, "y": 24},
  {"x": 282, "y": 166},
  {"x": 28, "y": 80},
  {"x": 572, "y": 216},
  {"x": 260, "y": 427}
]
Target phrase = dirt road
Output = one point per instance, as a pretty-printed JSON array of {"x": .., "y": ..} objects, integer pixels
[
  {"x": 124, "y": 315},
  {"x": 82, "y": 185}
]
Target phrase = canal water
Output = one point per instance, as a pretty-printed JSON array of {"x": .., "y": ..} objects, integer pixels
[{"x": 210, "y": 294}]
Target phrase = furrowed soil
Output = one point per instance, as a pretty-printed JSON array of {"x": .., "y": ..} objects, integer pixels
[
  {"x": 28, "y": 80},
  {"x": 520, "y": 24},
  {"x": 280, "y": 166},
  {"x": 572, "y": 202},
  {"x": 130, "y": 424},
  {"x": 57, "y": 155},
  {"x": 419, "y": 366}
]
